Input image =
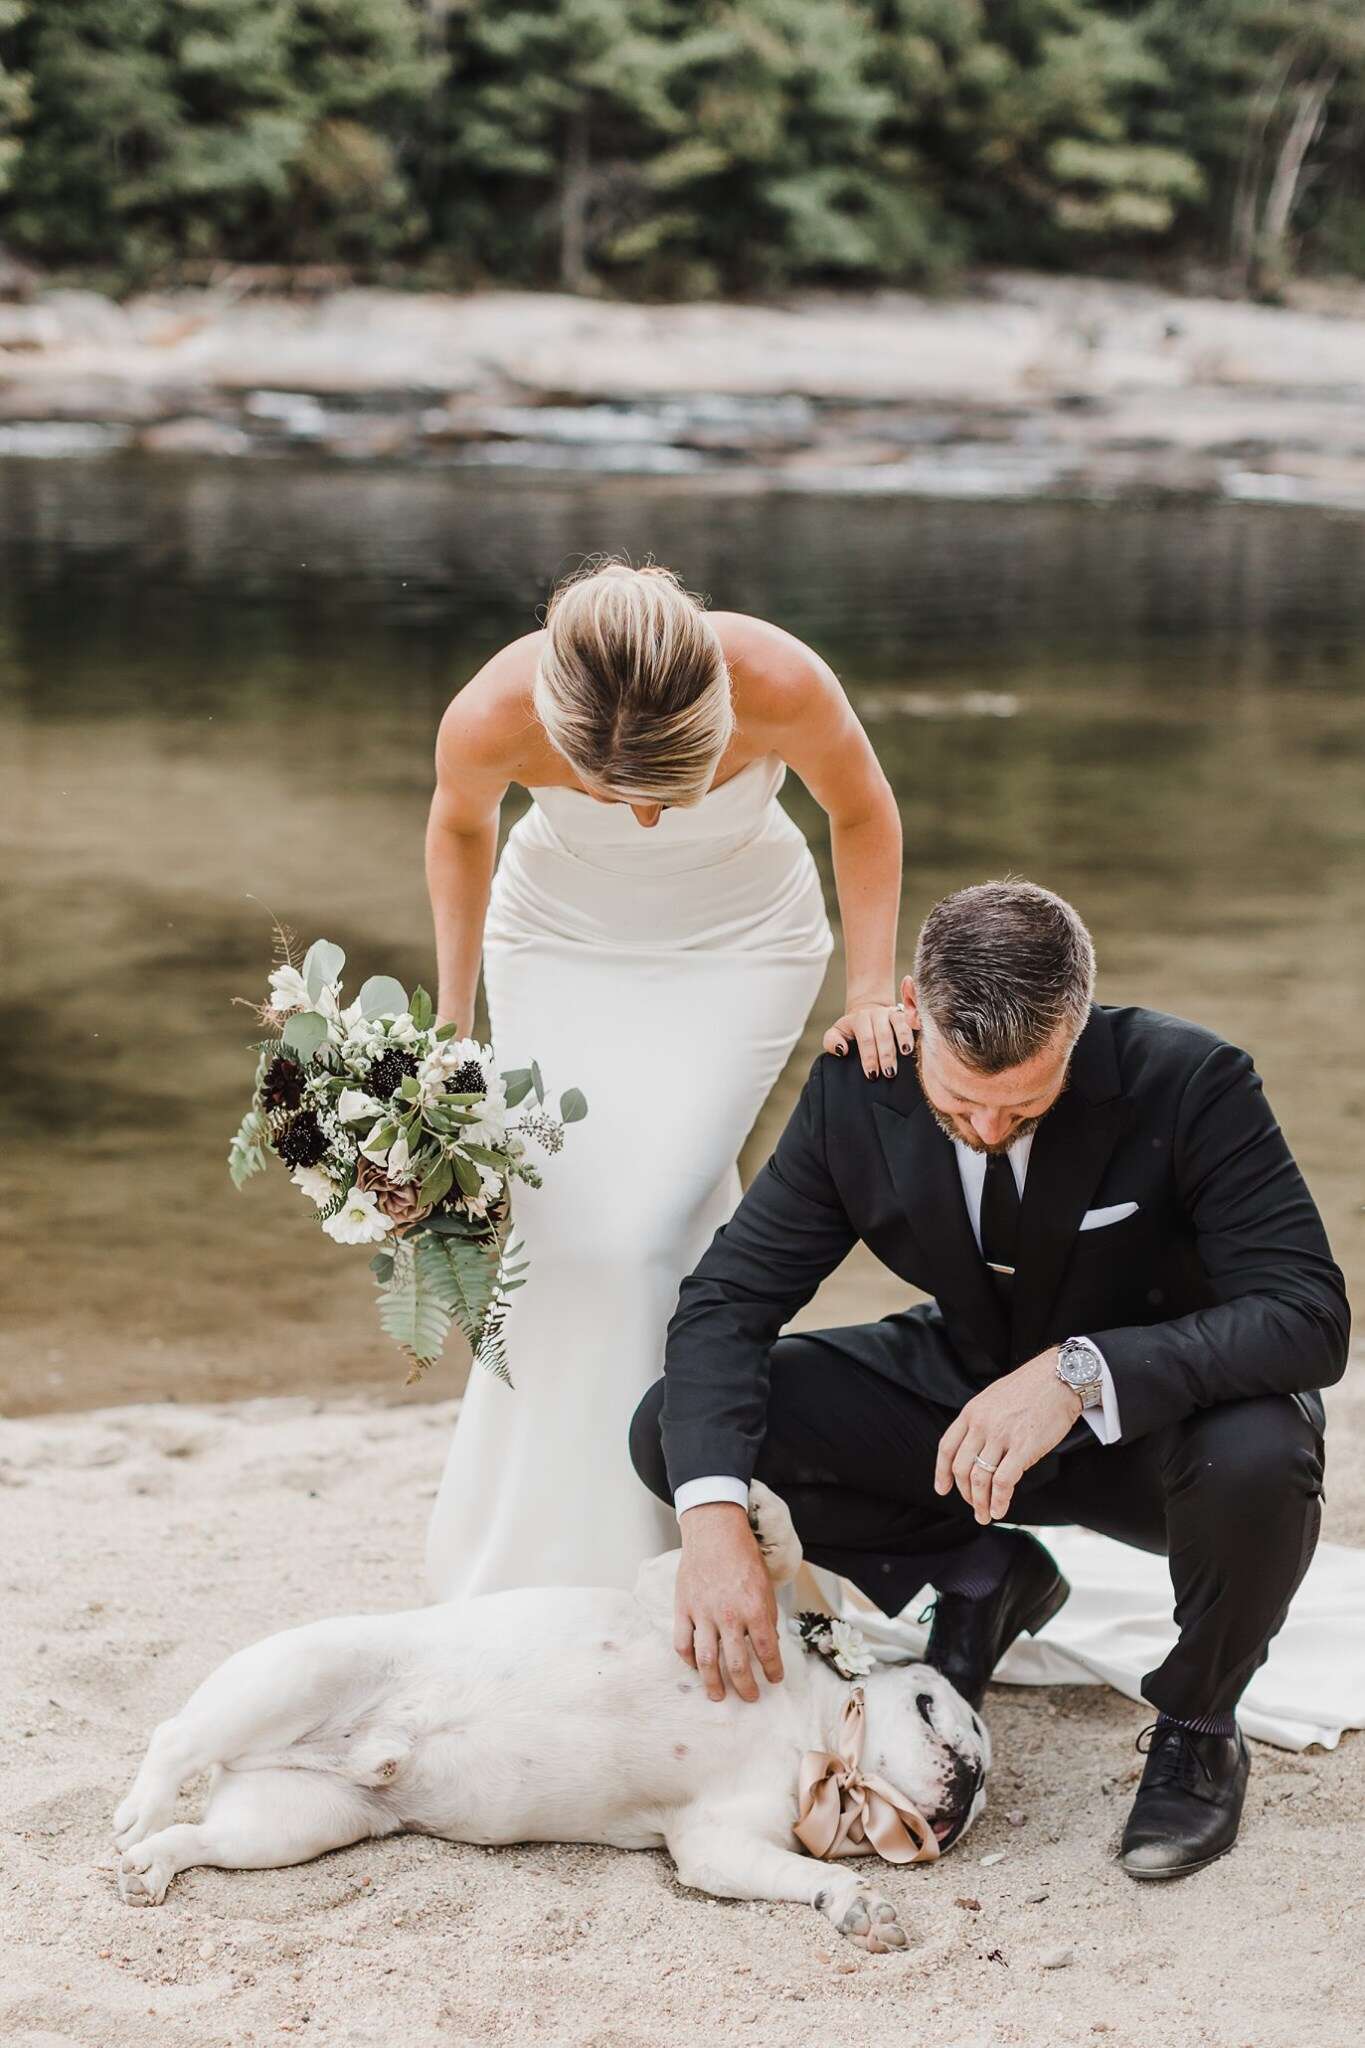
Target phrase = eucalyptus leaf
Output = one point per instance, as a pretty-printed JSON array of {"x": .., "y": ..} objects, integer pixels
[
  {"x": 247, "y": 1152},
  {"x": 536, "y": 1082},
  {"x": 382, "y": 996},
  {"x": 322, "y": 965},
  {"x": 518, "y": 1085},
  {"x": 409, "y": 1087},
  {"x": 573, "y": 1106},
  {"x": 421, "y": 1009},
  {"x": 304, "y": 1033},
  {"x": 448, "y": 1031},
  {"x": 381, "y": 1265}
]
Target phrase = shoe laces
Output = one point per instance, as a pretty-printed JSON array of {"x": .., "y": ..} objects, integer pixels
[{"x": 1174, "y": 1755}]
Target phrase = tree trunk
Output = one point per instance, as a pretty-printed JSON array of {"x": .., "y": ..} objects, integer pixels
[
  {"x": 1303, "y": 132},
  {"x": 574, "y": 273}
]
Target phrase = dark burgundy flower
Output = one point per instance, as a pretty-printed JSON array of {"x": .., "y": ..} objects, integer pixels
[
  {"x": 282, "y": 1084},
  {"x": 301, "y": 1142},
  {"x": 467, "y": 1080},
  {"x": 388, "y": 1070}
]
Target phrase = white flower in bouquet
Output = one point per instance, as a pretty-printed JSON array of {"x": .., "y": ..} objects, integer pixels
[
  {"x": 371, "y": 1149},
  {"x": 359, "y": 1220},
  {"x": 491, "y": 1127},
  {"x": 354, "y": 1103},
  {"x": 376, "y": 1117},
  {"x": 398, "y": 1166},
  {"x": 288, "y": 991},
  {"x": 319, "y": 1187}
]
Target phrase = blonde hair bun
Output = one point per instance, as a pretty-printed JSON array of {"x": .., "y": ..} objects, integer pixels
[{"x": 632, "y": 686}]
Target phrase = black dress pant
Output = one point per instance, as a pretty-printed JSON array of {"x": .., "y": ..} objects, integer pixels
[{"x": 1232, "y": 1496}]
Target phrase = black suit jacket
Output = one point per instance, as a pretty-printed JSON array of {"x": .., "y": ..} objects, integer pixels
[{"x": 1221, "y": 1285}]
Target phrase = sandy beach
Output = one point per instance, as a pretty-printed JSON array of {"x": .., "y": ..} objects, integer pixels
[{"x": 142, "y": 1544}]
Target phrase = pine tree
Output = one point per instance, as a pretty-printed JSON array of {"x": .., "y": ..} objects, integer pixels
[
  {"x": 14, "y": 101},
  {"x": 161, "y": 129},
  {"x": 549, "y": 123}
]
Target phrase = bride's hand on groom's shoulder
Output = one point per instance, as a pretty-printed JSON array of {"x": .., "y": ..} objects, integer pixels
[
  {"x": 879, "y": 1032},
  {"x": 725, "y": 1612}
]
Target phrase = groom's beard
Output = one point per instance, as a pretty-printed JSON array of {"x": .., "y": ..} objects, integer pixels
[{"x": 961, "y": 1132}]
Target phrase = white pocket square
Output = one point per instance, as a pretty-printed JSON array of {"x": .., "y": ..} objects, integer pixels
[{"x": 1096, "y": 1219}]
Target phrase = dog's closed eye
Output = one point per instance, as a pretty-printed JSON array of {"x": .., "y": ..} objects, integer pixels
[{"x": 924, "y": 1703}]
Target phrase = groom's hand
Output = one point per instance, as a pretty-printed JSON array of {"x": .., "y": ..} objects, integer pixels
[
  {"x": 725, "y": 1609},
  {"x": 1010, "y": 1425}
]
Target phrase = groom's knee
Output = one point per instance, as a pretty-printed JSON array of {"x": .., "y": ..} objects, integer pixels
[{"x": 646, "y": 1445}]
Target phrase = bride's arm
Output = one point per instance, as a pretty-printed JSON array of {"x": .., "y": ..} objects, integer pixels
[
  {"x": 472, "y": 775},
  {"x": 789, "y": 700}
]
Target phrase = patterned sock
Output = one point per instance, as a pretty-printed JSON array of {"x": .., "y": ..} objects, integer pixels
[
  {"x": 977, "y": 1568},
  {"x": 1200, "y": 1724}
]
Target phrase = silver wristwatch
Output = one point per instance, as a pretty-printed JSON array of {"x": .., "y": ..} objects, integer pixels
[{"x": 1079, "y": 1367}]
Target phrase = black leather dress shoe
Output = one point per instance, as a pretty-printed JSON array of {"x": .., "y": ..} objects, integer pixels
[
  {"x": 970, "y": 1636},
  {"x": 1189, "y": 1803}
]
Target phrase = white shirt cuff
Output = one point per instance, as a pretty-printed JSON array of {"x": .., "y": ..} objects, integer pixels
[
  {"x": 698, "y": 1493},
  {"x": 1104, "y": 1416}
]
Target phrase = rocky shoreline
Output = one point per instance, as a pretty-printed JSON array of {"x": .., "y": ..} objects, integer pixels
[{"x": 1026, "y": 387}]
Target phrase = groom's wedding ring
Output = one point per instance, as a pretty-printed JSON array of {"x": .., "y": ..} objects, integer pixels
[{"x": 984, "y": 1466}]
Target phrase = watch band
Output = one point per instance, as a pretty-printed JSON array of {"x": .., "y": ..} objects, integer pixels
[{"x": 1089, "y": 1385}]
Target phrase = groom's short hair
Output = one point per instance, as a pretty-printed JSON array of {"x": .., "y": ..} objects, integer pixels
[{"x": 999, "y": 968}]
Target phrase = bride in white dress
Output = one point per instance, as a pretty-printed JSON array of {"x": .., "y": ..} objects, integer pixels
[{"x": 655, "y": 933}]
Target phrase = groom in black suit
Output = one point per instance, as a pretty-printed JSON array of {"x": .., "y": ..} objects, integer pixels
[{"x": 1134, "y": 1304}]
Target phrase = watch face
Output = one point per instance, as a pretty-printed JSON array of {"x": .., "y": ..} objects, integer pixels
[{"x": 1080, "y": 1368}]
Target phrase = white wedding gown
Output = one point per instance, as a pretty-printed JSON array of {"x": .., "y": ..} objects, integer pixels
[{"x": 668, "y": 974}]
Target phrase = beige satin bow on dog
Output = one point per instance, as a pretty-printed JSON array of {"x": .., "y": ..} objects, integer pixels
[{"x": 844, "y": 1813}]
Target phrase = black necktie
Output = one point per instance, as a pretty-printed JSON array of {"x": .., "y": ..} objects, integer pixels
[{"x": 1000, "y": 1220}]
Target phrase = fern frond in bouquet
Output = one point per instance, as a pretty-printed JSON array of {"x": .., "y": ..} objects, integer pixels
[{"x": 405, "y": 1138}]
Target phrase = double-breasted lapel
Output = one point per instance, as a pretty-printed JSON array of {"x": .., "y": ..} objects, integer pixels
[{"x": 1071, "y": 1149}]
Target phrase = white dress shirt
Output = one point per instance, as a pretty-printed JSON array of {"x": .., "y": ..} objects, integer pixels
[{"x": 971, "y": 1166}]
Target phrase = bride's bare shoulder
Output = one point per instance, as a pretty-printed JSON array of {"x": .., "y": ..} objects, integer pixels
[
  {"x": 775, "y": 674},
  {"x": 490, "y": 729}
]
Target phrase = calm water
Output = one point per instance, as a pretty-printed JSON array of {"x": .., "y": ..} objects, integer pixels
[{"x": 220, "y": 683}]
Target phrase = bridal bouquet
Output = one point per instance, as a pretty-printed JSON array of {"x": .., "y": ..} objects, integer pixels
[{"x": 403, "y": 1137}]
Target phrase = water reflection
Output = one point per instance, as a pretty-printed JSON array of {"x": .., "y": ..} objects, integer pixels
[{"x": 222, "y": 681}]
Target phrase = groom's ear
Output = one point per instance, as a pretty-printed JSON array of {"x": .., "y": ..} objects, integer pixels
[{"x": 908, "y": 998}]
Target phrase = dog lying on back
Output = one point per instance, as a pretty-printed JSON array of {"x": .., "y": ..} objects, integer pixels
[{"x": 563, "y": 1716}]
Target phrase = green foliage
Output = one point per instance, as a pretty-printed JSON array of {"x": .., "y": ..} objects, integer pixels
[
  {"x": 247, "y": 1152},
  {"x": 382, "y": 996},
  {"x": 164, "y": 130},
  {"x": 679, "y": 147},
  {"x": 464, "y": 1279},
  {"x": 415, "y": 1306},
  {"x": 304, "y": 1033}
]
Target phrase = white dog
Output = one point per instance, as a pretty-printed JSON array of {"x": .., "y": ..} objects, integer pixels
[{"x": 558, "y": 1716}]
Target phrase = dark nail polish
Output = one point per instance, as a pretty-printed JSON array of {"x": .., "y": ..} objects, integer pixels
[{"x": 889, "y": 1073}]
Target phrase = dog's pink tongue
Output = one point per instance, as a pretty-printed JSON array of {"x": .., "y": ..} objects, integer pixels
[{"x": 942, "y": 1830}]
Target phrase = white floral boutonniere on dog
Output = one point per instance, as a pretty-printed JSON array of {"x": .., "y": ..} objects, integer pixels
[{"x": 844, "y": 1646}]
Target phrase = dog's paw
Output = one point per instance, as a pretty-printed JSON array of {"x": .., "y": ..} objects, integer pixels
[
  {"x": 771, "y": 1522},
  {"x": 143, "y": 1875},
  {"x": 144, "y": 1812},
  {"x": 868, "y": 1921}
]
